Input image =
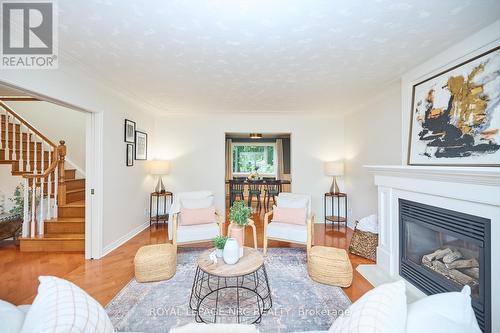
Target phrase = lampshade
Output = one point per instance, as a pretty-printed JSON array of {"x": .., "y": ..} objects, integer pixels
[
  {"x": 159, "y": 167},
  {"x": 334, "y": 168}
]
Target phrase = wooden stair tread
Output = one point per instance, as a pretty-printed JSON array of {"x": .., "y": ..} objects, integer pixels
[
  {"x": 54, "y": 237},
  {"x": 75, "y": 190},
  {"x": 67, "y": 219}
]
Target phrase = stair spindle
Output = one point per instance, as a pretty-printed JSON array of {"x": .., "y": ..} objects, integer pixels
[
  {"x": 28, "y": 148},
  {"x": 14, "y": 140},
  {"x": 35, "y": 153},
  {"x": 7, "y": 150},
  {"x": 49, "y": 189},
  {"x": 42, "y": 206},
  {"x": 56, "y": 193},
  {"x": 26, "y": 219},
  {"x": 21, "y": 160},
  {"x": 2, "y": 143},
  {"x": 33, "y": 207}
]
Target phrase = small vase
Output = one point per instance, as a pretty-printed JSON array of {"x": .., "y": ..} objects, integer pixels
[
  {"x": 231, "y": 251},
  {"x": 238, "y": 233},
  {"x": 219, "y": 253}
]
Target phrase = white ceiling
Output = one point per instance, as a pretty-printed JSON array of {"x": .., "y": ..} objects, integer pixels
[{"x": 260, "y": 55}]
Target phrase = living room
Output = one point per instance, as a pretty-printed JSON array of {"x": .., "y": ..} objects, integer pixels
[{"x": 372, "y": 149}]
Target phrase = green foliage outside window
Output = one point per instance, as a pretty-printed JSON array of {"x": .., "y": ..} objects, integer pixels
[{"x": 247, "y": 159}]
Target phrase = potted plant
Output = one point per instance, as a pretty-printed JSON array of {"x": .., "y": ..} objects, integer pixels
[
  {"x": 239, "y": 214},
  {"x": 219, "y": 243}
]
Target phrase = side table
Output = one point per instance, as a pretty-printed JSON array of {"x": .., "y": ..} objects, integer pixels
[
  {"x": 335, "y": 215},
  {"x": 159, "y": 215}
]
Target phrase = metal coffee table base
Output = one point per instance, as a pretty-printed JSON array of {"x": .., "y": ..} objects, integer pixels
[{"x": 240, "y": 299}]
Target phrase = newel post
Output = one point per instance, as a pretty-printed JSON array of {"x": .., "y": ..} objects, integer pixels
[{"x": 61, "y": 191}]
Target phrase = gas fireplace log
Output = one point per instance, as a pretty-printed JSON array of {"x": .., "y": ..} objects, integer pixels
[
  {"x": 472, "y": 272},
  {"x": 451, "y": 257},
  {"x": 438, "y": 254},
  {"x": 469, "y": 263},
  {"x": 453, "y": 274}
]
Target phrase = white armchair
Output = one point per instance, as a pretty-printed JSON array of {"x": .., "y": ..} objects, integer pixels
[
  {"x": 189, "y": 234},
  {"x": 288, "y": 232}
]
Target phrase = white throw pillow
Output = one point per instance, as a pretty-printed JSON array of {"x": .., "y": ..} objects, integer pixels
[
  {"x": 197, "y": 203},
  {"x": 11, "y": 318},
  {"x": 380, "y": 310},
  {"x": 293, "y": 201},
  {"x": 61, "y": 306},
  {"x": 447, "y": 312}
]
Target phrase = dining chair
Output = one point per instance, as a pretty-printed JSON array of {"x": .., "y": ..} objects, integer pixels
[
  {"x": 254, "y": 190},
  {"x": 272, "y": 189},
  {"x": 236, "y": 188}
]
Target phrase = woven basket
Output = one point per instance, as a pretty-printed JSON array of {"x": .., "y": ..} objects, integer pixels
[
  {"x": 329, "y": 265},
  {"x": 364, "y": 244},
  {"x": 155, "y": 262}
]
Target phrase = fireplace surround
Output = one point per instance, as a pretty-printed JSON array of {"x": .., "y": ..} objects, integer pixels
[
  {"x": 473, "y": 191},
  {"x": 442, "y": 250}
]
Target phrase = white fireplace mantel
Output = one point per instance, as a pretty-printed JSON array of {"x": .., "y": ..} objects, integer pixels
[
  {"x": 489, "y": 176},
  {"x": 470, "y": 190}
]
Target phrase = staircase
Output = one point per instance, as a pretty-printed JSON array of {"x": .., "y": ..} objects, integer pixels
[{"x": 54, "y": 199}]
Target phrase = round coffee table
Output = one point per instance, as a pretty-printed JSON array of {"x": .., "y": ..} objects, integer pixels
[{"x": 236, "y": 293}]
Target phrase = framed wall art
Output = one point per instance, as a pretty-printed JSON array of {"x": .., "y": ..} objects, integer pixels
[
  {"x": 129, "y": 131},
  {"x": 455, "y": 115},
  {"x": 130, "y": 154},
  {"x": 141, "y": 145}
]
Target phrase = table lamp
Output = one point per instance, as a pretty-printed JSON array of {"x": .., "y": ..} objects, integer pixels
[
  {"x": 334, "y": 169},
  {"x": 159, "y": 168}
]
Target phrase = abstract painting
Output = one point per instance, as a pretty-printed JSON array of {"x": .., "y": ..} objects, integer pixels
[{"x": 455, "y": 116}]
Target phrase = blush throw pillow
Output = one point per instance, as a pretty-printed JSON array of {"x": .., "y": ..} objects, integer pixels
[
  {"x": 290, "y": 215},
  {"x": 194, "y": 216},
  {"x": 61, "y": 306}
]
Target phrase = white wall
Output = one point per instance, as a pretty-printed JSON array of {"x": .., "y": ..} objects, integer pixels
[
  {"x": 125, "y": 189},
  {"x": 372, "y": 136},
  {"x": 195, "y": 145},
  {"x": 44, "y": 116},
  {"x": 8, "y": 185}
]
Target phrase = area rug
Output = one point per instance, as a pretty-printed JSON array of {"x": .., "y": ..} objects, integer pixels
[{"x": 299, "y": 304}]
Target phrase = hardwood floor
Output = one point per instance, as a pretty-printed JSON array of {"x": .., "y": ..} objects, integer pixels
[{"x": 104, "y": 278}]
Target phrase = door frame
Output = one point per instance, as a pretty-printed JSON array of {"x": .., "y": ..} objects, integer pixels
[
  {"x": 94, "y": 185},
  {"x": 94, "y": 157}
]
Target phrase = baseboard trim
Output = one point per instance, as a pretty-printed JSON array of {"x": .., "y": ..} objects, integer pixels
[{"x": 120, "y": 241}]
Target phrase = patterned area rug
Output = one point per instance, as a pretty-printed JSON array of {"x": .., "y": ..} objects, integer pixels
[{"x": 299, "y": 304}]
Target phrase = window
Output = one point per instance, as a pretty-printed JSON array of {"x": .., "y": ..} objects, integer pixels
[{"x": 248, "y": 157}]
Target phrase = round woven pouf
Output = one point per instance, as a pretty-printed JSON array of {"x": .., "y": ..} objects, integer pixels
[
  {"x": 329, "y": 265},
  {"x": 155, "y": 262}
]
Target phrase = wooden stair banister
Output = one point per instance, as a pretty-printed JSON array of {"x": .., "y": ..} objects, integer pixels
[
  {"x": 27, "y": 124},
  {"x": 54, "y": 199}
]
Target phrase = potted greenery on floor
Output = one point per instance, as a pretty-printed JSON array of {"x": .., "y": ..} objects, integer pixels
[
  {"x": 219, "y": 243},
  {"x": 239, "y": 214}
]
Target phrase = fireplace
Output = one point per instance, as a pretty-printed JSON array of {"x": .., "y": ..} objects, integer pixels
[{"x": 443, "y": 250}]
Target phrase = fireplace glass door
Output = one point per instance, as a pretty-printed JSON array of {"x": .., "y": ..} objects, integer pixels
[
  {"x": 443, "y": 250},
  {"x": 454, "y": 259}
]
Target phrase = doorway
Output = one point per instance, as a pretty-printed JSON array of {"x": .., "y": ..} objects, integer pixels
[
  {"x": 39, "y": 125},
  {"x": 258, "y": 168}
]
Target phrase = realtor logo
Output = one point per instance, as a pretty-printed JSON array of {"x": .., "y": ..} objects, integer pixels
[{"x": 29, "y": 35}]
